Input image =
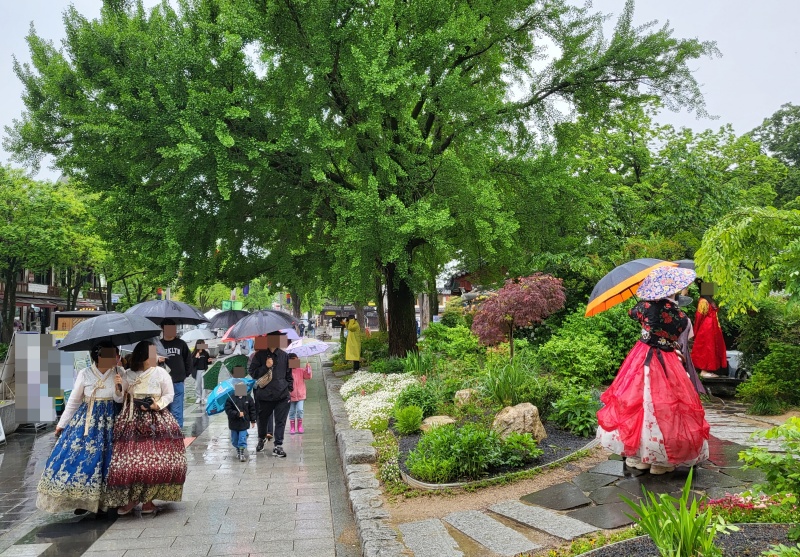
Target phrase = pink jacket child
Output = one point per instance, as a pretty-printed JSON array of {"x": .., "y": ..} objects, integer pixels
[{"x": 297, "y": 397}]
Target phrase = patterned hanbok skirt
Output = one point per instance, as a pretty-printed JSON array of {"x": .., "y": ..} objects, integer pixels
[
  {"x": 75, "y": 474},
  {"x": 149, "y": 460},
  {"x": 653, "y": 412}
]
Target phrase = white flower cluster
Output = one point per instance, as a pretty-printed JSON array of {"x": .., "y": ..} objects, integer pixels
[{"x": 378, "y": 398}]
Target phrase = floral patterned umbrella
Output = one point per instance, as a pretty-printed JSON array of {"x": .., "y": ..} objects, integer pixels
[{"x": 665, "y": 281}]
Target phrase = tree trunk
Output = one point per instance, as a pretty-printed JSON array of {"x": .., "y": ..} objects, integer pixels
[
  {"x": 511, "y": 341},
  {"x": 359, "y": 305},
  {"x": 379, "y": 304},
  {"x": 9, "y": 303},
  {"x": 76, "y": 288},
  {"x": 424, "y": 311},
  {"x": 433, "y": 298},
  {"x": 403, "y": 323},
  {"x": 295, "y": 303}
]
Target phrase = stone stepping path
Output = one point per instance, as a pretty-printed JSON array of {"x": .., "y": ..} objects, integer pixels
[
  {"x": 490, "y": 533},
  {"x": 539, "y": 518},
  {"x": 429, "y": 538},
  {"x": 728, "y": 427}
]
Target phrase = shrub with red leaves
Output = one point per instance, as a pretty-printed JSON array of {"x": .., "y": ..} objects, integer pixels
[{"x": 521, "y": 302}]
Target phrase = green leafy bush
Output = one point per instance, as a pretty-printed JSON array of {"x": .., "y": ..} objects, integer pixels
[
  {"x": 375, "y": 347},
  {"x": 3, "y": 351},
  {"x": 542, "y": 391},
  {"x": 773, "y": 321},
  {"x": 781, "y": 550},
  {"x": 586, "y": 358},
  {"x": 519, "y": 449},
  {"x": 677, "y": 528},
  {"x": 452, "y": 342},
  {"x": 378, "y": 424},
  {"x": 453, "y": 315},
  {"x": 421, "y": 396},
  {"x": 775, "y": 382},
  {"x": 782, "y": 470},
  {"x": 419, "y": 363},
  {"x": 576, "y": 411},
  {"x": 505, "y": 381},
  {"x": 389, "y": 365},
  {"x": 408, "y": 419}
]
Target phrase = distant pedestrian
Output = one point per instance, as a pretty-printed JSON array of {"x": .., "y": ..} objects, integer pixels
[
  {"x": 179, "y": 360},
  {"x": 274, "y": 383},
  {"x": 302, "y": 329},
  {"x": 241, "y": 410},
  {"x": 297, "y": 398},
  {"x": 201, "y": 359},
  {"x": 74, "y": 477},
  {"x": 352, "y": 350},
  {"x": 149, "y": 458}
]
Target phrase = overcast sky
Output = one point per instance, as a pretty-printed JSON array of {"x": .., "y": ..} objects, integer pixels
[{"x": 758, "y": 70}]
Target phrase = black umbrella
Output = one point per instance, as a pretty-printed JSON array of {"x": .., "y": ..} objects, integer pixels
[
  {"x": 116, "y": 328},
  {"x": 160, "y": 350},
  {"x": 226, "y": 319},
  {"x": 685, "y": 264},
  {"x": 158, "y": 310},
  {"x": 260, "y": 323},
  {"x": 621, "y": 283}
]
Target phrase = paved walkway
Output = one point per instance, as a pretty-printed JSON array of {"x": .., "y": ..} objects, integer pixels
[{"x": 266, "y": 506}]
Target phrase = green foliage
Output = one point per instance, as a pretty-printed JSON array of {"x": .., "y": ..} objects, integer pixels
[
  {"x": 782, "y": 469},
  {"x": 773, "y": 320},
  {"x": 419, "y": 363},
  {"x": 504, "y": 382},
  {"x": 677, "y": 528},
  {"x": 593, "y": 541},
  {"x": 452, "y": 342},
  {"x": 388, "y": 365},
  {"x": 584, "y": 358},
  {"x": 408, "y": 419},
  {"x": 543, "y": 391},
  {"x": 378, "y": 424},
  {"x": 421, "y": 396},
  {"x": 375, "y": 347},
  {"x": 453, "y": 315},
  {"x": 781, "y": 550},
  {"x": 748, "y": 509},
  {"x": 3, "y": 351},
  {"x": 447, "y": 453},
  {"x": 388, "y": 467},
  {"x": 776, "y": 379},
  {"x": 576, "y": 411}
]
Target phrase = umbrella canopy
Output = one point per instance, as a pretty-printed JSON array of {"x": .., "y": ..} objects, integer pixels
[
  {"x": 304, "y": 350},
  {"x": 621, "y": 283},
  {"x": 665, "y": 281},
  {"x": 291, "y": 334},
  {"x": 216, "y": 400},
  {"x": 685, "y": 263},
  {"x": 212, "y": 312},
  {"x": 226, "y": 319},
  {"x": 160, "y": 350},
  {"x": 158, "y": 310},
  {"x": 258, "y": 324},
  {"x": 116, "y": 328},
  {"x": 197, "y": 334}
]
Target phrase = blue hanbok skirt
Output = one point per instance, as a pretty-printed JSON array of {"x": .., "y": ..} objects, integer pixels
[{"x": 75, "y": 474}]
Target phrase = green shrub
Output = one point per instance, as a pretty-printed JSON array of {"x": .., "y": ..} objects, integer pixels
[
  {"x": 775, "y": 382},
  {"x": 378, "y": 424},
  {"x": 389, "y": 365},
  {"x": 585, "y": 358},
  {"x": 616, "y": 329},
  {"x": 542, "y": 391},
  {"x": 773, "y": 321},
  {"x": 504, "y": 383},
  {"x": 375, "y": 347},
  {"x": 519, "y": 449},
  {"x": 782, "y": 470},
  {"x": 453, "y": 315},
  {"x": 576, "y": 411},
  {"x": 763, "y": 394},
  {"x": 431, "y": 469},
  {"x": 3, "y": 351},
  {"x": 452, "y": 342},
  {"x": 781, "y": 550},
  {"x": 421, "y": 396},
  {"x": 408, "y": 419},
  {"x": 419, "y": 363}
]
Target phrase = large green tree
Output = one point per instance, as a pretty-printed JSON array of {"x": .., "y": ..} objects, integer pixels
[
  {"x": 247, "y": 130},
  {"x": 780, "y": 136}
]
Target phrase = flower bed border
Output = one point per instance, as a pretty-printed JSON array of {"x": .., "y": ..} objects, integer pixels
[{"x": 439, "y": 487}]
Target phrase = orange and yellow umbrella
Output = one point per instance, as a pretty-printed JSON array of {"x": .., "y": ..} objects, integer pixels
[{"x": 621, "y": 283}]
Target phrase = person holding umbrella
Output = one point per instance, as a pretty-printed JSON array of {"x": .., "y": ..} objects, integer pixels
[
  {"x": 149, "y": 457},
  {"x": 271, "y": 369},
  {"x": 74, "y": 477},
  {"x": 652, "y": 414},
  {"x": 180, "y": 364}
]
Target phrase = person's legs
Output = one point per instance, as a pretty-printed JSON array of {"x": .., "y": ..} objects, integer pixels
[
  {"x": 292, "y": 410},
  {"x": 270, "y": 426},
  {"x": 264, "y": 417},
  {"x": 199, "y": 386},
  {"x": 281, "y": 413},
  {"x": 356, "y": 365},
  {"x": 241, "y": 441},
  {"x": 235, "y": 439},
  {"x": 299, "y": 416},
  {"x": 177, "y": 403}
]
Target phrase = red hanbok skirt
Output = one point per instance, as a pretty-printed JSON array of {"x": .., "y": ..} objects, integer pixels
[
  {"x": 708, "y": 352},
  {"x": 653, "y": 412}
]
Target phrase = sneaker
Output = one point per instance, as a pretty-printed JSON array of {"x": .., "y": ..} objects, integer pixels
[
  {"x": 657, "y": 469},
  {"x": 242, "y": 457},
  {"x": 260, "y": 446},
  {"x": 279, "y": 452},
  {"x": 632, "y": 462}
]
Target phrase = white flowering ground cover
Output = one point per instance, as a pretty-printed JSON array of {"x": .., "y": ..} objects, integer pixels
[{"x": 368, "y": 396}]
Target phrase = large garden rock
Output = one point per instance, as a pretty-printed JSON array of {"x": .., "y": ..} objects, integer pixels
[
  {"x": 465, "y": 396},
  {"x": 435, "y": 421},
  {"x": 522, "y": 418}
]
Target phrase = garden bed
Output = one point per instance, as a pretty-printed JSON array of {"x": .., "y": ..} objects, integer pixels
[
  {"x": 559, "y": 444},
  {"x": 750, "y": 540}
]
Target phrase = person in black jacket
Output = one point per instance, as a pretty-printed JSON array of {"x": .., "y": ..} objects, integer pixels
[
  {"x": 274, "y": 396},
  {"x": 179, "y": 360},
  {"x": 241, "y": 410}
]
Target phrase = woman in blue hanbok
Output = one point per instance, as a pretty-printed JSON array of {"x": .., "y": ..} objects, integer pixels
[{"x": 74, "y": 477}]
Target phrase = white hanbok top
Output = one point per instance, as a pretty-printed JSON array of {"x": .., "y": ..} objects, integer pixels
[
  {"x": 90, "y": 382},
  {"x": 154, "y": 382}
]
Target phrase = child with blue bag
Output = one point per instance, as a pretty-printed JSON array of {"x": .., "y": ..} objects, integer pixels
[{"x": 241, "y": 410}]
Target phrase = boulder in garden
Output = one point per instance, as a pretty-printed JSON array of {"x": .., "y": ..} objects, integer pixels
[
  {"x": 465, "y": 396},
  {"x": 522, "y": 418},
  {"x": 435, "y": 421}
]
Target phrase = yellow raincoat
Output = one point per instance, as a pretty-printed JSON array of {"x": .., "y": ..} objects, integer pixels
[{"x": 352, "y": 350}]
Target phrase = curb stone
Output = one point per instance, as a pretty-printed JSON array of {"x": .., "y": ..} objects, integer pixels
[{"x": 377, "y": 538}]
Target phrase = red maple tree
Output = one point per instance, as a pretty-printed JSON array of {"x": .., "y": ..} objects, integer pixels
[{"x": 521, "y": 302}]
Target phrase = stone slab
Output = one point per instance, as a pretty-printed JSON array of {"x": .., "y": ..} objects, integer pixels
[
  {"x": 652, "y": 483},
  {"x": 611, "y": 494},
  {"x": 429, "y": 538},
  {"x": 720, "y": 492},
  {"x": 749, "y": 475},
  {"x": 490, "y": 533},
  {"x": 547, "y": 521},
  {"x": 607, "y": 517},
  {"x": 589, "y": 481},
  {"x": 559, "y": 497},
  {"x": 704, "y": 479},
  {"x": 610, "y": 467}
]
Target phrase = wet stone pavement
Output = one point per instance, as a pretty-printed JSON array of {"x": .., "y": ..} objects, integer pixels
[{"x": 266, "y": 506}]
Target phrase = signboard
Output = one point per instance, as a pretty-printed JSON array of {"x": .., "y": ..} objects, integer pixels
[
  {"x": 226, "y": 305},
  {"x": 64, "y": 323},
  {"x": 115, "y": 298},
  {"x": 37, "y": 288},
  {"x": 236, "y": 304},
  {"x": 331, "y": 313}
]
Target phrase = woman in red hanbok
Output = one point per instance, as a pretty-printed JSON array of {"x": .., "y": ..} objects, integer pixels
[
  {"x": 708, "y": 352},
  {"x": 652, "y": 414}
]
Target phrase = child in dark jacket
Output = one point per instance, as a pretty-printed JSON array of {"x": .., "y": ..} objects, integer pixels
[{"x": 241, "y": 411}]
